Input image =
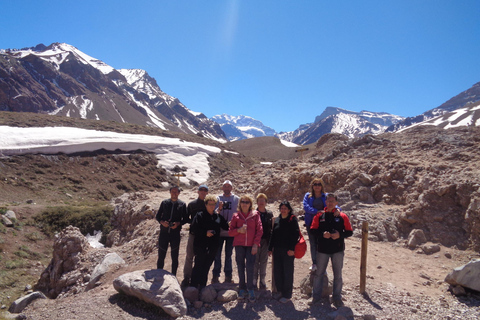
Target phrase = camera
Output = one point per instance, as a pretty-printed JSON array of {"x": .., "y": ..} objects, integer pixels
[
  {"x": 212, "y": 232},
  {"x": 227, "y": 205}
]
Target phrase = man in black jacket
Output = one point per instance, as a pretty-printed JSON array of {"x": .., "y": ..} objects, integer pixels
[
  {"x": 195, "y": 206},
  {"x": 331, "y": 232},
  {"x": 171, "y": 215}
]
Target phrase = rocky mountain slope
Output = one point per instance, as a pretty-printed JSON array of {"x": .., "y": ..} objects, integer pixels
[
  {"x": 465, "y": 99},
  {"x": 62, "y": 80}
]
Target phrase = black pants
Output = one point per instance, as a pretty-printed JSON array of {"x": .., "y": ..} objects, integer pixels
[
  {"x": 283, "y": 271},
  {"x": 204, "y": 257},
  {"x": 165, "y": 238}
]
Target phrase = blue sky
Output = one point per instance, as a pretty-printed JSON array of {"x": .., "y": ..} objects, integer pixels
[{"x": 281, "y": 62}]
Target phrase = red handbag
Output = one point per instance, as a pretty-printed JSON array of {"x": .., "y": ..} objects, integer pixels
[{"x": 301, "y": 246}]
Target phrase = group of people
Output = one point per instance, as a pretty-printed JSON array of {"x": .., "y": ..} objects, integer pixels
[{"x": 229, "y": 222}]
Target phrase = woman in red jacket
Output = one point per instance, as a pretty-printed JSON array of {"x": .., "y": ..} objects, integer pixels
[{"x": 246, "y": 228}]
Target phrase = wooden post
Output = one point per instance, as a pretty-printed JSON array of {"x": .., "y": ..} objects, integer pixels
[
  {"x": 178, "y": 175},
  {"x": 301, "y": 150},
  {"x": 363, "y": 261}
]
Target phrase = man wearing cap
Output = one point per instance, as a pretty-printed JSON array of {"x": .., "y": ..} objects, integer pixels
[
  {"x": 172, "y": 214},
  {"x": 227, "y": 206},
  {"x": 195, "y": 206}
]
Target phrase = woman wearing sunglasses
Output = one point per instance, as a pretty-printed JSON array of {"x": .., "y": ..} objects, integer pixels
[{"x": 246, "y": 228}]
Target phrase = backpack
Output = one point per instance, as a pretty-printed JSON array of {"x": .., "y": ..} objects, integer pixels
[{"x": 301, "y": 246}]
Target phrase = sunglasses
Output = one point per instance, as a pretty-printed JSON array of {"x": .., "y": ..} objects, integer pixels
[
  {"x": 317, "y": 184},
  {"x": 245, "y": 202}
]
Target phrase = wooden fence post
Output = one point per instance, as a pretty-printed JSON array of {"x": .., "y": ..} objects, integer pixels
[{"x": 363, "y": 261}]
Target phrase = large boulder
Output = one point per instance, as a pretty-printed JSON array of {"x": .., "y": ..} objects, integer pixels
[
  {"x": 467, "y": 275},
  {"x": 11, "y": 215},
  {"x": 7, "y": 222},
  {"x": 18, "y": 305},
  {"x": 110, "y": 259},
  {"x": 157, "y": 286}
]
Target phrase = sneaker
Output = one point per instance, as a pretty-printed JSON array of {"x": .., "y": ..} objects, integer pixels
[
  {"x": 242, "y": 294},
  {"x": 251, "y": 296},
  {"x": 263, "y": 286},
  {"x": 338, "y": 303},
  {"x": 313, "y": 268},
  {"x": 284, "y": 300},
  {"x": 277, "y": 295},
  {"x": 314, "y": 301},
  {"x": 228, "y": 279},
  {"x": 215, "y": 279}
]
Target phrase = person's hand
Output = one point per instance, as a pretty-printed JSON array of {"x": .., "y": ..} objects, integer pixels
[
  {"x": 210, "y": 233},
  {"x": 291, "y": 253},
  {"x": 254, "y": 249},
  {"x": 242, "y": 229},
  {"x": 336, "y": 213},
  {"x": 269, "y": 253},
  {"x": 165, "y": 223},
  {"x": 335, "y": 235},
  {"x": 327, "y": 235},
  {"x": 175, "y": 225},
  {"x": 220, "y": 206}
]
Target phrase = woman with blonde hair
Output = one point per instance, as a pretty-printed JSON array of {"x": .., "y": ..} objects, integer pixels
[
  {"x": 246, "y": 228},
  {"x": 313, "y": 203}
]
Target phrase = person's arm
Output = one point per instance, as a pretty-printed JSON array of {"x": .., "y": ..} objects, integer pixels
[
  {"x": 258, "y": 231},
  {"x": 184, "y": 214},
  {"x": 233, "y": 230},
  {"x": 307, "y": 207},
  {"x": 347, "y": 227}
]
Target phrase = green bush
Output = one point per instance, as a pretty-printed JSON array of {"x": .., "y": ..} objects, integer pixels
[
  {"x": 26, "y": 253},
  {"x": 34, "y": 236},
  {"x": 3, "y": 210},
  {"x": 13, "y": 264},
  {"x": 86, "y": 218}
]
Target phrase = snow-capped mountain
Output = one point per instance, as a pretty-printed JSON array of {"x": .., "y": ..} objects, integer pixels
[
  {"x": 62, "y": 80},
  {"x": 469, "y": 115},
  {"x": 466, "y": 99},
  {"x": 242, "y": 127},
  {"x": 336, "y": 120}
]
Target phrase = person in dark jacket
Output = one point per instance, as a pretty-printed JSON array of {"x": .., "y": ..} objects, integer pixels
[
  {"x": 171, "y": 215},
  {"x": 206, "y": 226},
  {"x": 195, "y": 206},
  {"x": 261, "y": 258},
  {"x": 331, "y": 232},
  {"x": 285, "y": 235}
]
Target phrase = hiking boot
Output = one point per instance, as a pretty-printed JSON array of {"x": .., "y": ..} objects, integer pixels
[
  {"x": 314, "y": 302},
  {"x": 251, "y": 295},
  {"x": 338, "y": 303},
  {"x": 215, "y": 279},
  {"x": 228, "y": 279},
  {"x": 242, "y": 294},
  {"x": 284, "y": 300},
  {"x": 262, "y": 286}
]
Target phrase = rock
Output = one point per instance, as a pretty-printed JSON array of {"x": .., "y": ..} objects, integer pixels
[
  {"x": 156, "y": 286},
  {"x": 369, "y": 317},
  {"x": 208, "y": 294},
  {"x": 430, "y": 248},
  {"x": 366, "y": 179},
  {"x": 341, "y": 313},
  {"x": 416, "y": 238},
  {"x": 306, "y": 285},
  {"x": 102, "y": 268},
  {"x": 28, "y": 287},
  {"x": 18, "y": 305},
  {"x": 198, "y": 304},
  {"x": 467, "y": 275},
  {"x": 459, "y": 291},
  {"x": 227, "y": 295},
  {"x": 10, "y": 215},
  {"x": 448, "y": 255},
  {"x": 7, "y": 222},
  {"x": 191, "y": 294}
]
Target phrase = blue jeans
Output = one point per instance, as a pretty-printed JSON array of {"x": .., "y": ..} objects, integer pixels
[
  {"x": 337, "y": 266},
  {"x": 217, "y": 267},
  {"x": 243, "y": 254},
  {"x": 312, "y": 239}
]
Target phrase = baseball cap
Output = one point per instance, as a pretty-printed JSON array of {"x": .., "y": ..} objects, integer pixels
[
  {"x": 202, "y": 186},
  {"x": 228, "y": 182}
]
